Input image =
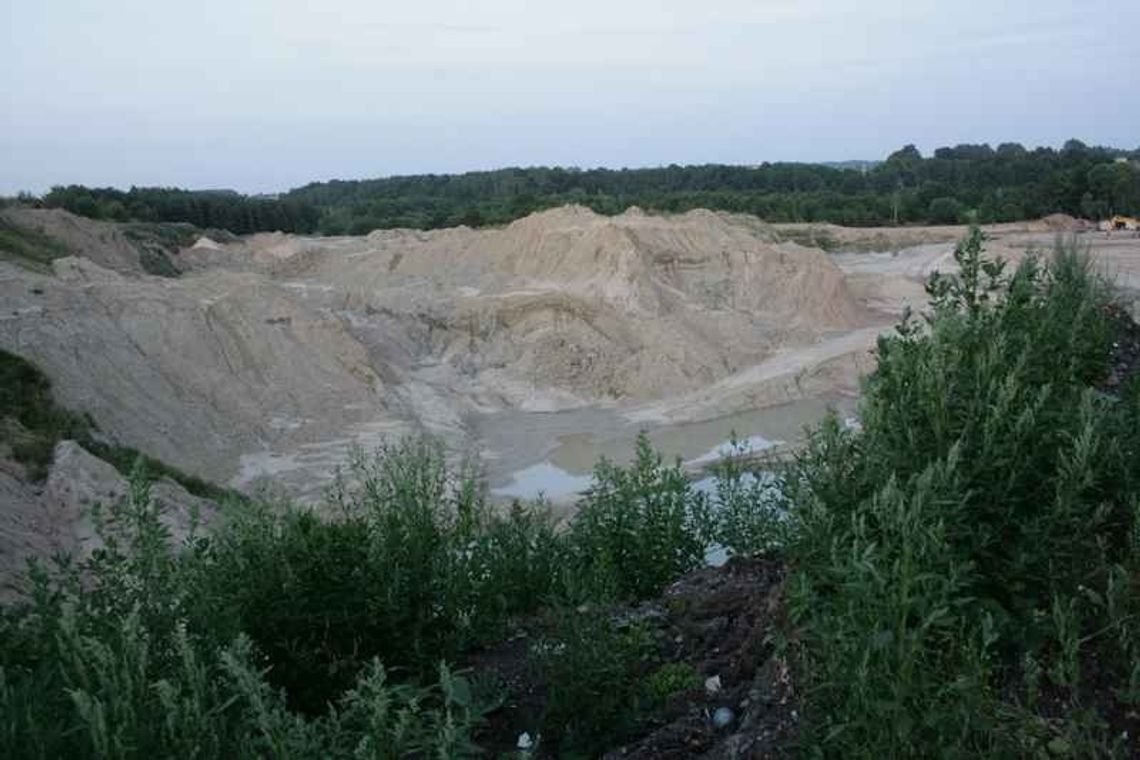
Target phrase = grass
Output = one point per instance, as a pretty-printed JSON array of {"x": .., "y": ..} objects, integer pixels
[
  {"x": 31, "y": 423},
  {"x": 810, "y": 236},
  {"x": 155, "y": 241},
  {"x": 29, "y": 248},
  {"x": 964, "y": 576},
  {"x": 36, "y": 250}
]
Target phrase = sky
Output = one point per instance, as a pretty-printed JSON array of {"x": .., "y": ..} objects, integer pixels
[{"x": 264, "y": 95}]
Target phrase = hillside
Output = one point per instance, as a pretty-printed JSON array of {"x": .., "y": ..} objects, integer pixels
[{"x": 276, "y": 354}]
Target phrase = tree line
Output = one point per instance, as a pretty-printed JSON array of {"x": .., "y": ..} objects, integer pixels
[
  {"x": 221, "y": 209},
  {"x": 1008, "y": 183},
  {"x": 953, "y": 185}
]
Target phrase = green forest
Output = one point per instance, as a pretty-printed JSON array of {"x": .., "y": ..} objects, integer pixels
[
  {"x": 955, "y": 184},
  {"x": 219, "y": 209}
]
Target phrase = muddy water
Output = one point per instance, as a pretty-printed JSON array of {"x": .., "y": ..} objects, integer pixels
[{"x": 554, "y": 453}]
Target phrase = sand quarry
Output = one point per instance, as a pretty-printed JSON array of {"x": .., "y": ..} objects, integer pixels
[{"x": 531, "y": 349}]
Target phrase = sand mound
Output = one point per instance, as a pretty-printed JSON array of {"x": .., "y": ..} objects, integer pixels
[
  {"x": 101, "y": 242},
  {"x": 278, "y": 353},
  {"x": 1059, "y": 222},
  {"x": 206, "y": 243}
]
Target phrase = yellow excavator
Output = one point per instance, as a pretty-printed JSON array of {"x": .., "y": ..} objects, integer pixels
[{"x": 1121, "y": 222}]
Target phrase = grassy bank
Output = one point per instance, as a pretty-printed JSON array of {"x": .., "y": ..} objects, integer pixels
[
  {"x": 31, "y": 424},
  {"x": 29, "y": 248}
]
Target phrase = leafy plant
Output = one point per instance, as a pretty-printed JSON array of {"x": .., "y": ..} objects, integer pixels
[
  {"x": 966, "y": 539},
  {"x": 592, "y": 671},
  {"x": 638, "y": 529}
]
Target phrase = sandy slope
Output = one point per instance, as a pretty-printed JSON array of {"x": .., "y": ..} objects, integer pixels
[{"x": 277, "y": 354}]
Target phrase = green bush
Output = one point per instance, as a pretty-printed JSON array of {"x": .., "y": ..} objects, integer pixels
[
  {"x": 637, "y": 529},
  {"x": 979, "y": 522},
  {"x": 749, "y": 506},
  {"x": 593, "y": 672},
  {"x": 413, "y": 567},
  {"x": 125, "y": 659},
  {"x": 293, "y": 633}
]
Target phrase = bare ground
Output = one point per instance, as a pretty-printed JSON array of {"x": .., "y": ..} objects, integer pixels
[{"x": 723, "y": 623}]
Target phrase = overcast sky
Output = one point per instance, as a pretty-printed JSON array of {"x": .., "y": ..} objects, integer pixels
[{"x": 263, "y": 95}]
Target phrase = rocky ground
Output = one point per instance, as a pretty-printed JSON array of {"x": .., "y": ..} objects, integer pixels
[{"x": 724, "y": 624}]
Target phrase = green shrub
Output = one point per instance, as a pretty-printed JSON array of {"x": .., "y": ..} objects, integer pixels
[
  {"x": 413, "y": 567},
  {"x": 592, "y": 670},
  {"x": 671, "y": 679},
  {"x": 977, "y": 524},
  {"x": 125, "y": 660},
  {"x": 748, "y": 504},
  {"x": 637, "y": 529},
  {"x": 296, "y": 632},
  {"x": 25, "y": 398}
]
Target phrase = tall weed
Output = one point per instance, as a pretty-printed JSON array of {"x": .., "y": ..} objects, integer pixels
[{"x": 963, "y": 532}]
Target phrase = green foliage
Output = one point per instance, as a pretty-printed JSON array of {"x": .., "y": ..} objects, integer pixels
[
  {"x": 32, "y": 424},
  {"x": 157, "y": 241},
  {"x": 1006, "y": 184},
  {"x": 671, "y": 679},
  {"x": 223, "y": 209},
  {"x": 638, "y": 529},
  {"x": 944, "y": 210},
  {"x": 284, "y": 633},
  {"x": 810, "y": 236},
  {"x": 593, "y": 671},
  {"x": 413, "y": 568},
  {"x": 749, "y": 508},
  {"x": 969, "y": 537},
  {"x": 117, "y": 661},
  {"x": 124, "y": 459},
  {"x": 25, "y": 399}
]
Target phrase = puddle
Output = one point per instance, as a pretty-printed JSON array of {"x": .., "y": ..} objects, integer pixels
[
  {"x": 554, "y": 453},
  {"x": 751, "y": 445},
  {"x": 696, "y": 443},
  {"x": 546, "y": 480}
]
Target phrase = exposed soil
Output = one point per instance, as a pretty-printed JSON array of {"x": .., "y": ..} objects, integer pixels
[
  {"x": 723, "y": 622},
  {"x": 273, "y": 356}
]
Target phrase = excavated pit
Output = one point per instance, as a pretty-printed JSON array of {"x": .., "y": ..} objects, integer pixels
[{"x": 546, "y": 342}]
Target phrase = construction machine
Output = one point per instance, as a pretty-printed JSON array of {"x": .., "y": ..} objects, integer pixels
[{"x": 1121, "y": 222}]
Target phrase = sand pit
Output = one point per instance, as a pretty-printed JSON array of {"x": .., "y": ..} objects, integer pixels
[{"x": 276, "y": 355}]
